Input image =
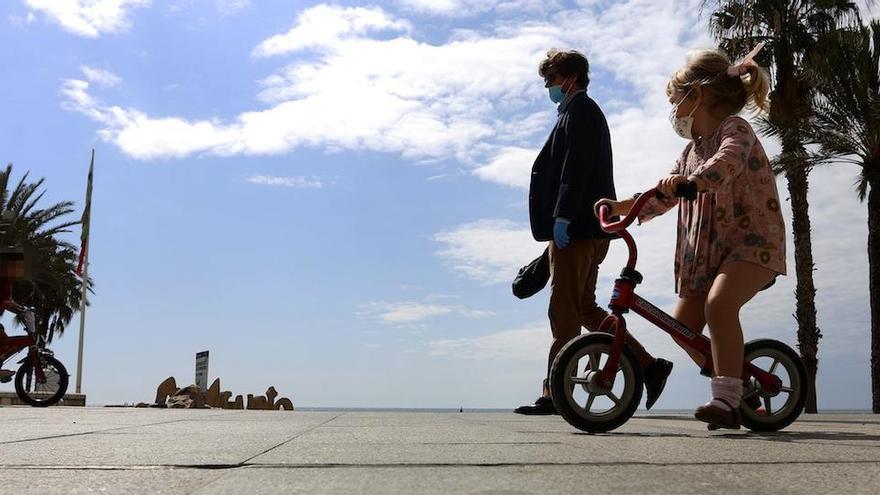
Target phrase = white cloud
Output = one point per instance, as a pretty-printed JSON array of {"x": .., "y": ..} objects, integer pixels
[
  {"x": 509, "y": 166},
  {"x": 523, "y": 344},
  {"x": 488, "y": 251},
  {"x": 100, "y": 77},
  {"x": 327, "y": 26},
  {"x": 76, "y": 98},
  {"x": 89, "y": 18},
  {"x": 19, "y": 21},
  {"x": 398, "y": 94},
  {"x": 408, "y": 312},
  {"x": 232, "y": 6},
  {"x": 296, "y": 182},
  {"x": 467, "y": 8},
  {"x": 455, "y": 8}
]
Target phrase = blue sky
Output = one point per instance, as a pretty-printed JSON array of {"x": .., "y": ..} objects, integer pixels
[{"x": 331, "y": 197}]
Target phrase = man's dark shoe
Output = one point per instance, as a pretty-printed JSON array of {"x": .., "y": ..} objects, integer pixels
[
  {"x": 542, "y": 407},
  {"x": 655, "y": 379}
]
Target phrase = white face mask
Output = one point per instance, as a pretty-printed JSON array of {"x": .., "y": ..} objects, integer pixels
[{"x": 683, "y": 125}]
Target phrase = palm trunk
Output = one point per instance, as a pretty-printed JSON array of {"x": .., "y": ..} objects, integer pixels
[
  {"x": 805, "y": 293},
  {"x": 874, "y": 287}
]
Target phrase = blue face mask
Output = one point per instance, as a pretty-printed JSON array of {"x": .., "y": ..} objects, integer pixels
[{"x": 556, "y": 94}]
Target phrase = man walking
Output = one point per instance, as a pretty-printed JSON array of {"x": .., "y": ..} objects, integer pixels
[{"x": 571, "y": 173}]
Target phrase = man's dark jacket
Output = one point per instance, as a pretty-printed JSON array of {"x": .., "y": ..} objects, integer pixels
[{"x": 572, "y": 172}]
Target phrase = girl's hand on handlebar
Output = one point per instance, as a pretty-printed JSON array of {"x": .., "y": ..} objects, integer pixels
[{"x": 667, "y": 185}]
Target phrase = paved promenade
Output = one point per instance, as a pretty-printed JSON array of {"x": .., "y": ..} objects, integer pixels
[{"x": 97, "y": 450}]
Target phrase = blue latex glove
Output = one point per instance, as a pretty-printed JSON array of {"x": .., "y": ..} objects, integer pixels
[{"x": 560, "y": 233}]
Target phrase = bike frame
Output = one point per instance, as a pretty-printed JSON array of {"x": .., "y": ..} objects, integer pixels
[
  {"x": 625, "y": 299},
  {"x": 16, "y": 344}
]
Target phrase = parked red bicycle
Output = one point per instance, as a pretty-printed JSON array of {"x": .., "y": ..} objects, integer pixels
[{"x": 609, "y": 389}]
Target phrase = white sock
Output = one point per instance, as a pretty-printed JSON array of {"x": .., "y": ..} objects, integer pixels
[{"x": 726, "y": 388}]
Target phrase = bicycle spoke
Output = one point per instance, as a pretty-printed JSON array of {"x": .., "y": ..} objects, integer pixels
[
  {"x": 579, "y": 380},
  {"x": 590, "y": 402},
  {"x": 773, "y": 366},
  {"x": 594, "y": 361},
  {"x": 614, "y": 398},
  {"x": 786, "y": 389},
  {"x": 767, "y": 409}
]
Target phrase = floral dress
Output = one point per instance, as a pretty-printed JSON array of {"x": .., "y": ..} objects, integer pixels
[{"x": 737, "y": 216}]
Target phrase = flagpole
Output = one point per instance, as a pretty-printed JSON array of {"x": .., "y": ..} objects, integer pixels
[
  {"x": 85, "y": 275},
  {"x": 82, "y": 322}
]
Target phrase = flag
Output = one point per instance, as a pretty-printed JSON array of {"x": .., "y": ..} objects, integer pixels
[{"x": 84, "y": 238}]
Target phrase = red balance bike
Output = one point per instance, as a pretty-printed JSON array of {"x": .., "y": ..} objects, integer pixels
[{"x": 596, "y": 382}]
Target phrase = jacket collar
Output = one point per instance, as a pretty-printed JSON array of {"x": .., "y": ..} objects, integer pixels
[{"x": 564, "y": 105}]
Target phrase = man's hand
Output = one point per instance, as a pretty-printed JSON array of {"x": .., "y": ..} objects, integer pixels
[{"x": 560, "y": 233}]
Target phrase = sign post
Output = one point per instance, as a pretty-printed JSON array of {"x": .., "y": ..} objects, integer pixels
[{"x": 202, "y": 370}]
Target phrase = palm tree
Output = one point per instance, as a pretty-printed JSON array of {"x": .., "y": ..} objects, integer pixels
[
  {"x": 846, "y": 125},
  {"x": 52, "y": 287},
  {"x": 791, "y": 30}
]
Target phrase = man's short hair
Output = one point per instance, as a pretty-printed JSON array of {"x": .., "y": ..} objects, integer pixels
[{"x": 565, "y": 63}]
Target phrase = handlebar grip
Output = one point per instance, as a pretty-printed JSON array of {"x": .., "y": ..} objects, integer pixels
[{"x": 688, "y": 191}]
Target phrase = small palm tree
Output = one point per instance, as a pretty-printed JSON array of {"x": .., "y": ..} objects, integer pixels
[
  {"x": 791, "y": 30},
  {"x": 52, "y": 287},
  {"x": 846, "y": 125}
]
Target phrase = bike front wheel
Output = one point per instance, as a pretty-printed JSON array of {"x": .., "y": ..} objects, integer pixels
[
  {"x": 765, "y": 411},
  {"x": 41, "y": 394},
  {"x": 579, "y": 396}
]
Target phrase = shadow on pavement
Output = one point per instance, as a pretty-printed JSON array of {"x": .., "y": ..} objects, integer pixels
[
  {"x": 791, "y": 436},
  {"x": 636, "y": 434}
]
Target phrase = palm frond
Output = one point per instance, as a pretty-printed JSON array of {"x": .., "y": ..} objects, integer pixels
[{"x": 846, "y": 119}]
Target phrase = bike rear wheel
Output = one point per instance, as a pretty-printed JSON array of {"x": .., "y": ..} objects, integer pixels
[
  {"x": 43, "y": 394},
  {"x": 578, "y": 396},
  {"x": 763, "y": 411}
]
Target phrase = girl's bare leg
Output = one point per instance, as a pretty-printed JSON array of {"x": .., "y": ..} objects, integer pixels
[
  {"x": 691, "y": 312},
  {"x": 736, "y": 283}
]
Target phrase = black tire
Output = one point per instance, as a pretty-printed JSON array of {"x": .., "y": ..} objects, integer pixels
[
  {"x": 794, "y": 379},
  {"x": 563, "y": 390},
  {"x": 56, "y": 378}
]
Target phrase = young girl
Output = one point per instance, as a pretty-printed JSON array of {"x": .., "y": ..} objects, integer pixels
[{"x": 731, "y": 239}]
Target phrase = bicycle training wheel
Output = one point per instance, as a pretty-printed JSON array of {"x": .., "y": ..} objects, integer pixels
[
  {"x": 48, "y": 393},
  {"x": 764, "y": 411},
  {"x": 577, "y": 393}
]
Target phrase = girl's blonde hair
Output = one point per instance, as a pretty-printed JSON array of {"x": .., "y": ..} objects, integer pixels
[{"x": 707, "y": 68}]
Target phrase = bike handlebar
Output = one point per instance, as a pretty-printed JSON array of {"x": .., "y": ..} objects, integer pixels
[{"x": 688, "y": 191}]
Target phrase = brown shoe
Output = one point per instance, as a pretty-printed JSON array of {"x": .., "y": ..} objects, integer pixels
[{"x": 719, "y": 417}]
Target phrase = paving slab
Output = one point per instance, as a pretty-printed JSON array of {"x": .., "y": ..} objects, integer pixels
[
  {"x": 107, "y": 450},
  {"x": 91, "y": 481},
  {"x": 203, "y": 438},
  {"x": 719, "y": 478}
]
